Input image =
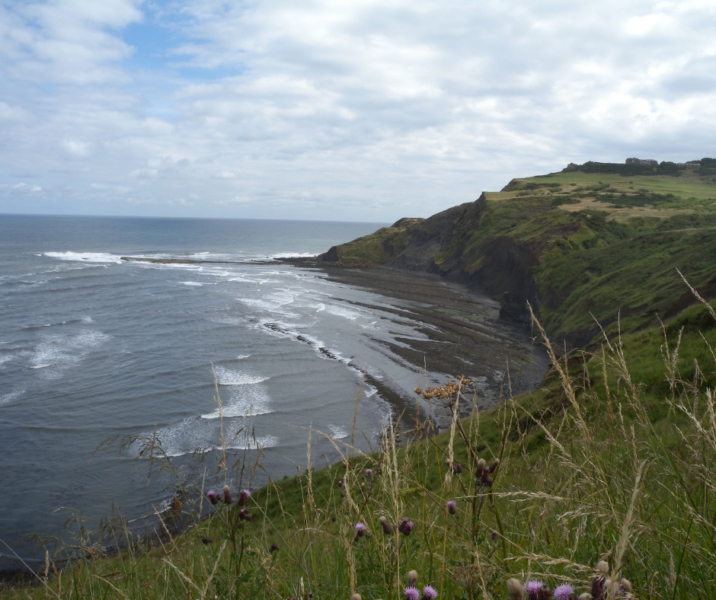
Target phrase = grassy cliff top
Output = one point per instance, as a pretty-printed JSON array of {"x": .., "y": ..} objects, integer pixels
[{"x": 579, "y": 245}]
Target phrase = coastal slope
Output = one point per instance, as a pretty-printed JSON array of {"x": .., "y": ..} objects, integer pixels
[{"x": 595, "y": 243}]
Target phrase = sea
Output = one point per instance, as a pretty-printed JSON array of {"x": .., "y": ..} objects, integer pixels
[
  {"x": 126, "y": 383},
  {"x": 96, "y": 351}
]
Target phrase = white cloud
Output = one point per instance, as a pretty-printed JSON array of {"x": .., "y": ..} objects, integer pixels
[{"x": 356, "y": 110}]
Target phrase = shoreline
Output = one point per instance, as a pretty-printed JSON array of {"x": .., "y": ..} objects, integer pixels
[{"x": 463, "y": 330}]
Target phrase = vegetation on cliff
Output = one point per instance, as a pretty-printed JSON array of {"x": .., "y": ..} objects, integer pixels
[{"x": 579, "y": 245}]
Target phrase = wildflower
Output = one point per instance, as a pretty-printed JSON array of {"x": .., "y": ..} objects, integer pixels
[
  {"x": 244, "y": 497},
  {"x": 206, "y": 540},
  {"x": 411, "y": 593},
  {"x": 494, "y": 465},
  {"x": 387, "y": 529},
  {"x": 456, "y": 468},
  {"x": 494, "y": 536},
  {"x": 514, "y": 589},
  {"x": 451, "y": 506},
  {"x": 227, "y": 495},
  {"x": 244, "y": 515},
  {"x": 360, "y": 529},
  {"x": 480, "y": 467},
  {"x": 598, "y": 582},
  {"x": 412, "y": 578},
  {"x": 429, "y": 593},
  {"x": 211, "y": 495},
  {"x": 368, "y": 472},
  {"x": 406, "y": 526},
  {"x": 563, "y": 592},
  {"x": 340, "y": 483},
  {"x": 585, "y": 596},
  {"x": 274, "y": 547},
  {"x": 333, "y": 519},
  {"x": 533, "y": 589},
  {"x": 626, "y": 585}
]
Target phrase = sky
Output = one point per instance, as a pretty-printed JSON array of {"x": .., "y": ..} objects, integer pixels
[{"x": 334, "y": 109}]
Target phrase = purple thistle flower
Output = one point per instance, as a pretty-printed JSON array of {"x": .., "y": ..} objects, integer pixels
[
  {"x": 533, "y": 588},
  {"x": 429, "y": 592},
  {"x": 211, "y": 495},
  {"x": 244, "y": 515},
  {"x": 494, "y": 536},
  {"x": 206, "y": 540},
  {"x": 244, "y": 497},
  {"x": 411, "y": 593},
  {"x": 451, "y": 506},
  {"x": 360, "y": 529},
  {"x": 368, "y": 472},
  {"x": 274, "y": 547},
  {"x": 563, "y": 592},
  {"x": 406, "y": 526},
  {"x": 340, "y": 483}
]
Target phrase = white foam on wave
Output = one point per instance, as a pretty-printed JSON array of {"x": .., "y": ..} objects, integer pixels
[
  {"x": 194, "y": 435},
  {"x": 7, "y": 398},
  {"x": 245, "y": 401},
  {"x": 64, "y": 351},
  {"x": 338, "y": 432},
  {"x": 340, "y": 311},
  {"x": 228, "y": 377},
  {"x": 5, "y": 358},
  {"x": 254, "y": 443},
  {"x": 321, "y": 307},
  {"x": 192, "y": 283},
  {"x": 89, "y": 257},
  {"x": 369, "y": 391}
]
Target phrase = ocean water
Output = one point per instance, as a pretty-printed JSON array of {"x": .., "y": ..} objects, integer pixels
[{"x": 93, "y": 347}]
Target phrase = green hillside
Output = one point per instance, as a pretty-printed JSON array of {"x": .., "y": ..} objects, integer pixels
[{"x": 579, "y": 245}]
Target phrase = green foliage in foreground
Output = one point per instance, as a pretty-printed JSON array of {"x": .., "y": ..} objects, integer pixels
[{"x": 613, "y": 459}]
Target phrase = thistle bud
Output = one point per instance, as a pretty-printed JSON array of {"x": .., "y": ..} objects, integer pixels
[
  {"x": 480, "y": 467},
  {"x": 603, "y": 567},
  {"x": 211, "y": 495},
  {"x": 412, "y": 578},
  {"x": 494, "y": 536},
  {"x": 406, "y": 526},
  {"x": 206, "y": 540},
  {"x": 451, "y": 506},
  {"x": 585, "y": 596},
  {"x": 244, "y": 497},
  {"x": 340, "y": 483},
  {"x": 356, "y": 597},
  {"x": 514, "y": 589},
  {"x": 387, "y": 529},
  {"x": 626, "y": 584},
  {"x": 227, "y": 495},
  {"x": 494, "y": 465},
  {"x": 274, "y": 547}
]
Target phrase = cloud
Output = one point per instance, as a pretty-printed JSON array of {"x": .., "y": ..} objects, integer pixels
[{"x": 352, "y": 110}]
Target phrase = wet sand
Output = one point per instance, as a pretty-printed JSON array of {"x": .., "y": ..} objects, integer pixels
[{"x": 464, "y": 336}]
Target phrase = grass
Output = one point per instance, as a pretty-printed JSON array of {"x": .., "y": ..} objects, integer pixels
[{"x": 613, "y": 459}]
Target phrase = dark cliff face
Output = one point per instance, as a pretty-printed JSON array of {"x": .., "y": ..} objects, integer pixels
[{"x": 439, "y": 245}]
